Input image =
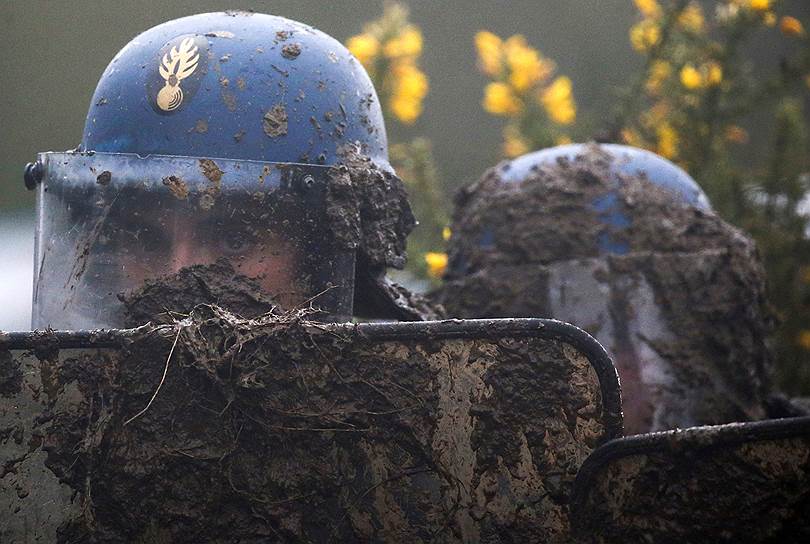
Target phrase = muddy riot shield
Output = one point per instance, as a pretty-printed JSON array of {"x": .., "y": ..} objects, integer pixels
[
  {"x": 218, "y": 429},
  {"x": 742, "y": 482}
]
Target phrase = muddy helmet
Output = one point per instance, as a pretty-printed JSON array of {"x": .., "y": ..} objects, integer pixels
[
  {"x": 623, "y": 244},
  {"x": 208, "y": 137},
  {"x": 625, "y": 161}
]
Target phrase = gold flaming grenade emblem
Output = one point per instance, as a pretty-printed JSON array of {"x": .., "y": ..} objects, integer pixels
[{"x": 176, "y": 65}]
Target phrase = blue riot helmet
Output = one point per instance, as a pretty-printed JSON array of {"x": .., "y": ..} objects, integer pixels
[
  {"x": 210, "y": 137},
  {"x": 627, "y": 160},
  {"x": 616, "y": 168},
  {"x": 622, "y": 243}
]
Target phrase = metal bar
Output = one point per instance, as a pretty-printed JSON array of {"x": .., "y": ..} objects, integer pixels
[
  {"x": 690, "y": 439},
  {"x": 414, "y": 330}
]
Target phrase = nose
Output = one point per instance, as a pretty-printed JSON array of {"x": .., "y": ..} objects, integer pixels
[{"x": 184, "y": 251}]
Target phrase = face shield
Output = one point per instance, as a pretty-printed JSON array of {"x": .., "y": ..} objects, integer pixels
[{"x": 108, "y": 222}]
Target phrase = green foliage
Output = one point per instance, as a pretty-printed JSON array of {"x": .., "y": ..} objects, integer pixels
[
  {"x": 697, "y": 92},
  {"x": 414, "y": 162},
  {"x": 390, "y": 48}
]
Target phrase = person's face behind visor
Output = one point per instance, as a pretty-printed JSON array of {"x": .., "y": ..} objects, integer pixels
[{"x": 138, "y": 243}]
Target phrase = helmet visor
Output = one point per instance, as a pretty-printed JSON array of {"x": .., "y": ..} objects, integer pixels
[{"x": 108, "y": 223}]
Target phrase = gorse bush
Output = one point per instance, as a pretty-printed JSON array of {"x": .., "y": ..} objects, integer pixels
[
  {"x": 697, "y": 91},
  {"x": 389, "y": 48},
  {"x": 691, "y": 101},
  {"x": 523, "y": 88}
]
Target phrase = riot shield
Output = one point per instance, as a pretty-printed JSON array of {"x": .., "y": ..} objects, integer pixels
[
  {"x": 216, "y": 429},
  {"x": 742, "y": 482}
]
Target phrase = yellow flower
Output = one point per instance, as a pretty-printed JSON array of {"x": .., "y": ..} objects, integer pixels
[
  {"x": 407, "y": 43},
  {"x": 514, "y": 145},
  {"x": 804, "y": 339},
  {"x": 659, "y": 73},
  {"x": 667, "y": 141},
  {"x": 691, "y": 18},
  {"x": 563, "y": 140},
  {"x": 526, "y": 66},
  {"x": 770, "y": 19},
  {"x": 691, "y": 78},
  {"x": 648, "y": 8},
  {"x": 713, "y": 74},
  {"x": 709, "y": 75},
  {"x": 406, "y": 109},
  {"x": 499, "y": 99},
  {"x": 436, "y": 263},
  {"x": 759, "y": 5},
  {"x": 410, "y": 80},
  {"x": 736, "y": 134},
  {"x": 446, "y": 234},
  {"x": 410, "y": 85},
  {"x": 645, "y": 35},
  {"x": 490, "y": 55},
  {"x": 364, "y": 47},
  {"x": 558, "y": 101},
  {"x": 791, "y": 26}
]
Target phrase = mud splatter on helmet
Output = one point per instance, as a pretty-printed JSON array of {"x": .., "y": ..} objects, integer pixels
[
  {"x": 626, "y": 161},
  {"x": 623, "y": 244},
  {"x": 214, "y": 136}
]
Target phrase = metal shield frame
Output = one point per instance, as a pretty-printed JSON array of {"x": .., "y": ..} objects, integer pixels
[
  {"x": 676, "y": 442},
  {"x": 447, "y": 329}
]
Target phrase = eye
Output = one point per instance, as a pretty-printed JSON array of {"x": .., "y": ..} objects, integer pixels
[
  {"x": 135, "y": 237},
  {"x": 235, "y": 243}
]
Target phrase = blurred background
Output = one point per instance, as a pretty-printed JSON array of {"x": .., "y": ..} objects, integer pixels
[{"x": 599, "y": 72}]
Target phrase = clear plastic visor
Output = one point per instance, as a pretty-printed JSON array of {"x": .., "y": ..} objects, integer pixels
[{"x": 107, "y": 223}]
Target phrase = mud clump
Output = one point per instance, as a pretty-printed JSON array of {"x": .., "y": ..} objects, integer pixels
[
  {"x": 368, "y": 209},
  {"x": 709, "y": 494},
  {"x": 229, "y": 99},
  {"x": 104, "y": 178},
  {"x": 291, "y": 51},
  {"x": 219, "y": 429},
  {"x": 177, "y": 186},
  {"x": 166, "y": 299},
  {"x": 376, "y": 296},
  {"x": 554, "y": 214},
  {"x": 221, "y": 34},
  {"x": 679, "y": 301},
  {"x": 274, "y": 122},
  {"x": 211, "y": 171},
  {"x": 10, "y": 375}
]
